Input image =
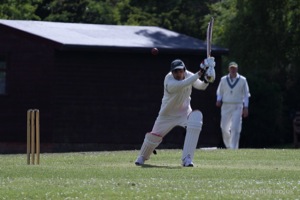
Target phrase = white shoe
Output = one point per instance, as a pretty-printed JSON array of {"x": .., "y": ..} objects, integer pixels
[
  {"x": 139, "y": 161},
  {"x": 187, "y": 162}
]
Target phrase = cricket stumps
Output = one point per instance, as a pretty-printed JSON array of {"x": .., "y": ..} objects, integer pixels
[{"x": 33, "y": 136}]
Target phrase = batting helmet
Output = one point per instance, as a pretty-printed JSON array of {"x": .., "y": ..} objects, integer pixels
[{"x": 177, "y": 64}]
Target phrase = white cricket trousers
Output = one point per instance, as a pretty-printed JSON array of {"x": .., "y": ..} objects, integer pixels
[
  {"x": 164, "y": 124},
  {"x": 231, "y": 124}
]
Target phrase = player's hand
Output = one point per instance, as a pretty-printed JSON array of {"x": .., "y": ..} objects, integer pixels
[
  {"x": 210, "y": 75},
  {"x": 208, "y": 62},
  {"x": 245, "y": 112}
]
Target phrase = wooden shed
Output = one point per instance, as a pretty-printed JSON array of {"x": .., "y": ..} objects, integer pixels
[{"x": 98, "y": 87}]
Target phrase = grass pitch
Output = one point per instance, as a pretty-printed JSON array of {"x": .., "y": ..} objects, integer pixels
[{"x": 218, "y": 174}]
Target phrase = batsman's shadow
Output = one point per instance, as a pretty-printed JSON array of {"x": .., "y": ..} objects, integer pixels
[{"x": 158, "y": 166}]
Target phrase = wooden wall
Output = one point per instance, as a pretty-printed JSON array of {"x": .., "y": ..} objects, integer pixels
[
  {"x": 28, "y": 85},
  {"x": 114, "y": 98}
]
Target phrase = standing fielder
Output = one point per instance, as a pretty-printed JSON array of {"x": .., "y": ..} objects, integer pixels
[
  {"x": 176, "y": 110},
  {"x": 233, "y": 98}
]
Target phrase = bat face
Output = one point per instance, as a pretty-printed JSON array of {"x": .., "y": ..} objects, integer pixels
[{"x": 209, "y": 36}]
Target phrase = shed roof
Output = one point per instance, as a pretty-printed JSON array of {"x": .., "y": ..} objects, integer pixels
[{"x": 78, "y": 35}]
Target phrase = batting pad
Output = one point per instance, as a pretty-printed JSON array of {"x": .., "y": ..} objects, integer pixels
[
  {"x": 194, "y": 126},
  {"x": 151, "y": 141}
]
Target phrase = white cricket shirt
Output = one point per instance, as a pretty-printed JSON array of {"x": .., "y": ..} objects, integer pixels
[
  {"x": 233, "y": 90},
  {"x": 176, "y": 99}
]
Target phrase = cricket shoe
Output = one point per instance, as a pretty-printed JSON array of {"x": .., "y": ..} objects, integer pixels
[
  {"x": 187, "y": 162},
  {"x": 139, "y": 161}
]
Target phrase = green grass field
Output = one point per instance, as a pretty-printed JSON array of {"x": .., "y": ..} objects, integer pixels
[{"x": 218, "y": 174}]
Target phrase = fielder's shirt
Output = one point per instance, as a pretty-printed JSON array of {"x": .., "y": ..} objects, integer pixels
[{"x": 233, "y": 91}]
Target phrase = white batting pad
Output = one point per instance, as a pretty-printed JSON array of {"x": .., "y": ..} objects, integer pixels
[
  {"x": 194, "y": 126},
  {"x": 151, "y": 141}
]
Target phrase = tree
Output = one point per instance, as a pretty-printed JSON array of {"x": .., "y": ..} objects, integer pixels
[
  {"x": 19, "y": 9},
  {"x": 181, "y": 16},
  {"x": 101, "y": 12},
  {"x": 263, "y": 37},
  {"x": 67, "y": 10}
]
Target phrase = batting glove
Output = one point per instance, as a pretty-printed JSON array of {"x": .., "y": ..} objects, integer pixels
[
  {"x": 208, "y": 62},
  {"x": 210, "y": 75}
]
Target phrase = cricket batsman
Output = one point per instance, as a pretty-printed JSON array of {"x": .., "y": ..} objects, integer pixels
[{"x": 176, "y": 109}]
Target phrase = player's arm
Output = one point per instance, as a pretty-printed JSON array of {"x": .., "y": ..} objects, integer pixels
[
  {"x": 173, "y": 85},
  {"x": 200, "y": 84},
  {"x": 219, "y": 101},
  {"x": 246, "y": 100}
]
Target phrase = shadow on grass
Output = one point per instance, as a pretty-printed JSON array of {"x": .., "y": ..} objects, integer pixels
[{"x": 157, "y": 166}]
